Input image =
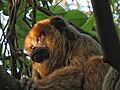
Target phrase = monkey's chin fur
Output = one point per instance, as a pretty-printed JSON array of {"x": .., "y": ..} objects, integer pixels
[{"x": 40, "y": 54}]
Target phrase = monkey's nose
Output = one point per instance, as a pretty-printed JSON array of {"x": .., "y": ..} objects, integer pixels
[{"x": 40, "y": 54}]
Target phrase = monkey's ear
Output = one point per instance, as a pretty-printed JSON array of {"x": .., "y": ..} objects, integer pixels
[{"x": 58, "y": 22}]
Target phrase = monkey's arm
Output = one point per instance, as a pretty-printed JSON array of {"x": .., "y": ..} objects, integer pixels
[
  {"x": 112, "y": 80},
  {"x": 66, "y": 78},
  {"x": 95, "y": 71}
]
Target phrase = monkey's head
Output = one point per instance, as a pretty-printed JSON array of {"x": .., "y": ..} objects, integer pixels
[{"x": 48, "y": 44}]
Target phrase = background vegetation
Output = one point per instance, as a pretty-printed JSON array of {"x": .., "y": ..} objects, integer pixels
[{"x": 18, "y": 16}]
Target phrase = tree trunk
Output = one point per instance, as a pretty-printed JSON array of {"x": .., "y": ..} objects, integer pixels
[{"x": 107, "y": 32}]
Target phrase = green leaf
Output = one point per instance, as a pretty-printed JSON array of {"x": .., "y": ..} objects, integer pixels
[
  {"x": 5, "y": 11},
  {"x": 118, "y": 29},
  {"x": 53, "y": 9},
  {"x": 76, "y": 17},
  {"x": 1, "y": 5},
  {"x": 94, "y": 33},
  {"x": 113, "y": 1},
  {"x": 21, "y": 8},
  {"x": 7, "y": 64},
  {"x": 57, "y": 10},
  {"x": 21, "y": 42},
  {"x": 1, "y": 47},
  {"x": 22, "y": 25},
  {"x": 21, "y": 31},
  {"x": 21, "y": 5},
  {"x": 89, "y": 24},
  {"x": 20, "y": 36},
  {"x": 40, "y": 16}
]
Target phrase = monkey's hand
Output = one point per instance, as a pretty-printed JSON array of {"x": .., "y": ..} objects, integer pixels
[{"x": 28, "y": 84}]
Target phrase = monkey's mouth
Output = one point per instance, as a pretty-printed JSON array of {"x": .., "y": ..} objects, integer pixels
[{"x": 40, "y": 54}]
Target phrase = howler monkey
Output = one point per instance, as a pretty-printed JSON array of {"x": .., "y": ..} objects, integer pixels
[{"x": 63, "y": 58}]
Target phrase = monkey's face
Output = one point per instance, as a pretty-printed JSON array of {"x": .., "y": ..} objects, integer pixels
[{"x": 46, "y": 45}]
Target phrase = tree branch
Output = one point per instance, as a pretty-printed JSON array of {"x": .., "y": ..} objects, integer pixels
[
  {"x": 34, "y": 12},
  {"x": 47, "y": 12},
  {"x": 8, "y": 82},
  {"x": 107, "y": 32}
]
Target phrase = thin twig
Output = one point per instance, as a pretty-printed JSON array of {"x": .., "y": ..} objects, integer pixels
[
  {"x": 47, "y": 12},
  {"x": 34, "y": 12}
]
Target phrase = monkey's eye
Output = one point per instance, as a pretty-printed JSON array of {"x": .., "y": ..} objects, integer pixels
[
  {"x": 31, "y": 47},
  {"x": 42, "y": 33},
  {"x": 58, "y": 23}
]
